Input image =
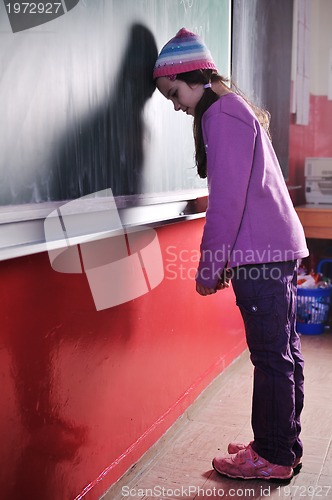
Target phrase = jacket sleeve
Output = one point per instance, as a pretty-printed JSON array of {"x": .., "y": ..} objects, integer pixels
[{"x": 230, "y": 144}]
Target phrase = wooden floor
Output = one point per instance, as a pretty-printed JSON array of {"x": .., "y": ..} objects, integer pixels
[{"x": 180, "y": 466}]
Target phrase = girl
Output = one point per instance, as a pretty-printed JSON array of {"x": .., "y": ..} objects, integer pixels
[{"x": 253, "y": 235}]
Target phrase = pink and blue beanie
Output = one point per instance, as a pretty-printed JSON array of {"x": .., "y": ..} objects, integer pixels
[{"x": 185, "y": 52}]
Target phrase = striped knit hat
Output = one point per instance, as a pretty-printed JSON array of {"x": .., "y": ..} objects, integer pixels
[{"x": 185, "y": 52}]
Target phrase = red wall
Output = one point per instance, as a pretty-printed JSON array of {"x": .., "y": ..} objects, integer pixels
[
  {"x": 312, "y": 140},
  {"x": 85, "y": 393}
]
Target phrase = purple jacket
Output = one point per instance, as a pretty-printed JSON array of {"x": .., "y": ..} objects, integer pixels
[{"x": 250, "y": 217}]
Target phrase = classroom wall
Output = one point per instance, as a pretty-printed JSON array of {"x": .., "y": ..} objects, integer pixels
[
  {"x": 314, "y": 139},
  {"x": 86, "y": 393}
]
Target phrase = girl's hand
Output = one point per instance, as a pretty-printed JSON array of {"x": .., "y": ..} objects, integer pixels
[
  {"x": 203, "y": 290},
  {"x": 224, "y": 281},
  {"x": 221, "y": 285}
]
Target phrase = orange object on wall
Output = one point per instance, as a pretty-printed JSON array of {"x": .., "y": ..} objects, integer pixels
[{"x": 85, "y": 393}]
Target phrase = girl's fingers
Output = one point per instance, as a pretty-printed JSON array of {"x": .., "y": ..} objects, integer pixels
[{"x": 203, "y": 290}]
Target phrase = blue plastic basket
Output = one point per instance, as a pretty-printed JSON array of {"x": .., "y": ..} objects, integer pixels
[
  {"x": 312, "y": 309},
  {"x": 313, "y": 306}
]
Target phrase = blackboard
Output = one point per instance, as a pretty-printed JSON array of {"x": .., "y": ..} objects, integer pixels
[
  {"x": 261, "y": 62},
  {"x": 78, "y": 109}
]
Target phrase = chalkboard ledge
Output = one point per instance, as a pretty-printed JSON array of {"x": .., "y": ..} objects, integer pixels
[{"x": 22, "y": 226}]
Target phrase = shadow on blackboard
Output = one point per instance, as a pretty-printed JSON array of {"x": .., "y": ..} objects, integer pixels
[{"x": 106, "y": 151}]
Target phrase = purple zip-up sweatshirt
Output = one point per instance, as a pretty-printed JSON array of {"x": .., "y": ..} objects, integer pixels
[{"x": 250, "y": 217}]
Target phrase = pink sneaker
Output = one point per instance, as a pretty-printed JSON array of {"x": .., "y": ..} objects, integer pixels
[
  {"x": 246, "y": 464},
  {"x": 235, "y": 447}
]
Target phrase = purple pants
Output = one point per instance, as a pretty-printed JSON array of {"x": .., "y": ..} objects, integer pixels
[{"x": 266, "y": 296}]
